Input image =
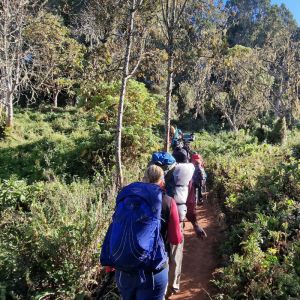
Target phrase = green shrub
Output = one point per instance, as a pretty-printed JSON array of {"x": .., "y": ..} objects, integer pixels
[
  {"x": 76, "y": 142},
  {"x": 16, "y": 194},
  {"x": 53, "y": 246},
  {"x": 258, "y": 187},
  {"x": 278, "y": 135},
  {"x": 142, "y": 114}
]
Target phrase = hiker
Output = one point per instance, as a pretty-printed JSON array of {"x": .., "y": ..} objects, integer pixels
[
  {"x": 199, "y": 177},
  {"x": 133, "y": 244},
  {"x": 179, "y": 152},
  {"x": 183, "y": 195},
  {"x": 170, "y": 225},
  {"x": 172, "y": 133},
  {"x": 175, "y": 136},
  {"x": 178, "y": 185}
]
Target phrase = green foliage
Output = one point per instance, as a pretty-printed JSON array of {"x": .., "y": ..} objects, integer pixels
[
  {"x": 258, "y": 187},
  {"x": 279, "y": 133},
  {"x": 141, "y": 114},
  {"x": 53, "y": 245},
  {"x": 52, "y": 230},
  {"x": 58, "y": 58},
  {"x": 61, "y": 143},
  {"x": 17, "y": 194},
  {"x": 77, "y": 142}
]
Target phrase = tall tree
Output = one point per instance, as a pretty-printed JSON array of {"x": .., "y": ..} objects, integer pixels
[
  {"x": 133, "y": 7},
  {"x": 172, "y": 11},
  {"x": 12, "y": 15},
  {"x": 201, "y": 42},
  {"x": 13, "y": 56},
  {"x": 281, "y": 56},
  {"x": 240, "y": 86},
  {"x": 101, "y": 26},
  {"x": 57, "y": 58},
  {"x": 253, "y": 21},
  {"x": 246, "y": 19}
]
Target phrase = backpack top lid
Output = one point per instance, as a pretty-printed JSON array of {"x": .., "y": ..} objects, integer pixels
[
  {"x": 163, "y": 159},
  {"x": 197, "y": 158},
  {"x": 149, "y": 192},
  {"x": 183, "y": 173},
  {"x": 181, "y": 155},
  {"x": 177, "y": 144}
]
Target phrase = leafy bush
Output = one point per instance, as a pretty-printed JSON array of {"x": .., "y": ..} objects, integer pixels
[
  {"x": 52, "y": 246},
  {"x": 142, "y": 114},
  {"x": 258, "y": 187},
  {"x": 70, "y": 142},
  {"x": 279, "y": 133}
]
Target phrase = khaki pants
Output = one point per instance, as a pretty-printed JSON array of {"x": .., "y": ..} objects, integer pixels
[{"x": 175, "y": 264}]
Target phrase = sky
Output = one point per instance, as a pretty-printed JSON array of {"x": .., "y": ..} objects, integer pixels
[{"x": 293, "y": 5}]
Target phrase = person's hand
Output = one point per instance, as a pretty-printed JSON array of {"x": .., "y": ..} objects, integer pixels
[
  {"x": 201, "y": 234},
  {"x": 109, "y": 269}
]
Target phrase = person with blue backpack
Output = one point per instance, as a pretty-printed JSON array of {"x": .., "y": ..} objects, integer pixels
[
  {"x": 134, "y": 245},
  {"x": 178, "y": 177}
]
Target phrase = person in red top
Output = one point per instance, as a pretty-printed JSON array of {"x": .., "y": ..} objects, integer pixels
[{"x": 170, "y": 225}]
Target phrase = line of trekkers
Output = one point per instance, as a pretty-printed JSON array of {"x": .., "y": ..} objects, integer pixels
[{"x": 144, "y": 243}]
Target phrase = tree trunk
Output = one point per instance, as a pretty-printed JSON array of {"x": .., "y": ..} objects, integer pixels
[
  {"x": 170, "y": 51},
  {"x": 55, "y": 98},
  {"x": 278, "y": 100},
  {"x": 1, "y": 109},
  {"x": 169, "y": 97},
  {"x": 125, "y": 76},
  {"x": 9, "y": 110},
  {"x": 231, "y": 122}
]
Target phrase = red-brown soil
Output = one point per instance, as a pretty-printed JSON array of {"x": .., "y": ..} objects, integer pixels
[{"x": 200, "y": 257}]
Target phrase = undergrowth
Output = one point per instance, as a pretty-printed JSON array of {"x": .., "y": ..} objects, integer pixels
[{"x": 258, "y": 187}]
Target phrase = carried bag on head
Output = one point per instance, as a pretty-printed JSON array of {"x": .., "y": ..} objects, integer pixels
[
  {"x": 133, "y": 241},
  {"x": 162, "y": 159},
  {"x": 167, "y": 162}
]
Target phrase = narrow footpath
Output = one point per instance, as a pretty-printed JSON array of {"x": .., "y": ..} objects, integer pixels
[{"x": 200, "y": 256}]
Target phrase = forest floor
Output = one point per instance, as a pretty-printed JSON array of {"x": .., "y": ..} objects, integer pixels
[{"x": 200, "y": 257}]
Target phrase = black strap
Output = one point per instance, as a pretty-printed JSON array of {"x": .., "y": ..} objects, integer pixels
[
  {"x": 166, "y": 207},
  {"x": 165, "y": 216}
]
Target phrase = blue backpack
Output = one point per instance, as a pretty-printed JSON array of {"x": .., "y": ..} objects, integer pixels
[
  {"x": 165, "y": 160},
  {"x": 162, "y": 159},
  {"x": 133, "y": 241}
]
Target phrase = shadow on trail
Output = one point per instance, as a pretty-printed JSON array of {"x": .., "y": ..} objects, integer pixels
[{"x": 200, "y": 257}]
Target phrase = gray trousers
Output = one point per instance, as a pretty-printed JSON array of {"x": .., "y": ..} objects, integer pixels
[{"x": 175, "y": 264}]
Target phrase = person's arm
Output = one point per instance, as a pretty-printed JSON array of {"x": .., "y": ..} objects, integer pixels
[
  {"x": 191, "y": 204},
  {"x": 174, "y": 233},
  {"x": 203, "y": 174},
  {"x": 191, "y": 212}
]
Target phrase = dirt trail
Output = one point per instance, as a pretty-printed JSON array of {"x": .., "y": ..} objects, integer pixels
[{"x": 200, "y": 259}]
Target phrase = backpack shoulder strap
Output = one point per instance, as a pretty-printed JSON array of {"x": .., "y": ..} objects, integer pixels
[
  {"x": 165, "y": 215},
  {"x": 166, "y": 207}
]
